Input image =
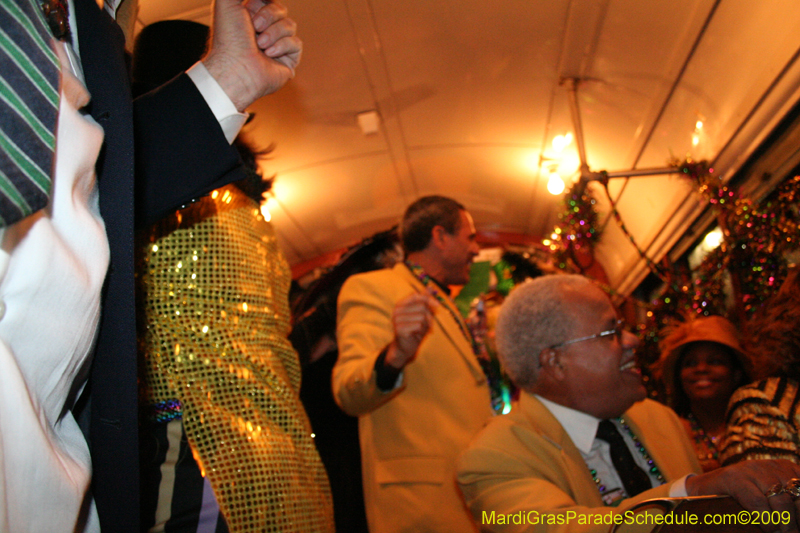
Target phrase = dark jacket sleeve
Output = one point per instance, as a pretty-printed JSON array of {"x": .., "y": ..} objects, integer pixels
[{"x": 181, "y": 151}]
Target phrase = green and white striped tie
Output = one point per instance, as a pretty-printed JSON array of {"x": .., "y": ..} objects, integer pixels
[{"x": 29, "y": 77}]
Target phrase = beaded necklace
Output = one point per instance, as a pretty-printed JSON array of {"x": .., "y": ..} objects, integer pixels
[
  {"x": 702, "y": 439},
  {"x": 642, "y": 451},
  {"x": 426, "y": 280},
  {"x": 492, "y": 376}
]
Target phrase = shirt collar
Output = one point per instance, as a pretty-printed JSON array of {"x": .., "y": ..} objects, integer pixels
[
  {"x": 580, "y": 427},
  {"x": 111, "y": 7},
  {"x": 444, "y": 288}
]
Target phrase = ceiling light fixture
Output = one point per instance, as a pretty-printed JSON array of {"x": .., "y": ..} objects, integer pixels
[
  {"x": 369, "y": 122},
  {"x": 553, "y": 165},
  {"x": 555, "y": 183},
  {"x": 561, "y": 141},
  {"x": 698, "y": 129}
]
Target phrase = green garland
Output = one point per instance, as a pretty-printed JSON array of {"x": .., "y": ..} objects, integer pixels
[
  {"x": 752, "y": 257},
  {"x": 751, "y": 260},
  {"x": 577, "y": 229}
]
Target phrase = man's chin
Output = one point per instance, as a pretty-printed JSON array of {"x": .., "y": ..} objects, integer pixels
[
  {"x": 643, "y": 395},
  {"x": 635, "y": 395},
  {"x": 640, "y": 394}
]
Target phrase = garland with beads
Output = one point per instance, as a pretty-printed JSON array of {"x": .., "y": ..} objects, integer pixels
[
  {"x": 750, "y": 263},
  {"x": 737, "y": 277},
  {"x": 577, "y": 230},
  {"x": 756, "y": 240}
]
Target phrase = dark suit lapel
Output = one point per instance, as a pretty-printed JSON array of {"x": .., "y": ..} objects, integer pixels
[{"x": 112, "y": 385}]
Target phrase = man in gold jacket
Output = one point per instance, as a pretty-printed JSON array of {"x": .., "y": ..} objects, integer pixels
[
  {"x": 551, "y": 464},
  {"x": 408, "y": 370}
]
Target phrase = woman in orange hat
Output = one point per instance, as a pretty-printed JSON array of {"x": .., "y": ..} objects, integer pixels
[{"x": 702, "y": 363}]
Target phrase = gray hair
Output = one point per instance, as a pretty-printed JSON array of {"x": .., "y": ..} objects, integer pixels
[{"x": 534, "y": 317}]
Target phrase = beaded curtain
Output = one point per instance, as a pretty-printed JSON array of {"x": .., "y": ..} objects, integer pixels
[{"x": 217, "y": 318}]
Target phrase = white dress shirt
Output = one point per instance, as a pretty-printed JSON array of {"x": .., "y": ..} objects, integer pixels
[
  {"x": 582, "y": 429},
  {"x": 52, "y": 267}
]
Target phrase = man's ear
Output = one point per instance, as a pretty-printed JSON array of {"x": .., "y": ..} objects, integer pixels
[
  {"x": 438, "y": 234},
  {"x": 549, "y": 360}
]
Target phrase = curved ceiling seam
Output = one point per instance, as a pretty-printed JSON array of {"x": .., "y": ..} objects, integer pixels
[
  {"x": 664, "y": 105},
  {"x": 651, "y": 132},
  {"x": 548, "y": 122},
  {"x": 763, "y": 98},
  {"x": 388, "y": 103}
]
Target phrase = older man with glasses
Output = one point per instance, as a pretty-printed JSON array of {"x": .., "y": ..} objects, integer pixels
[{"x": 584, "y": 444}]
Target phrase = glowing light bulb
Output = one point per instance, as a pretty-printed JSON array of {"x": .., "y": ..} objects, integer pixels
[
  {"x": 555, "y": 185},
  {"x": 712, "y": 239},
  {"x": 561, "y": 141},
  {"x": 265, "y": 212}
]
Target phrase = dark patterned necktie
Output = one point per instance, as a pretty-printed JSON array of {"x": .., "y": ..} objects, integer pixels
[
  {"x": 634, "y": 479},
  {"x": 29, "y": 76}
]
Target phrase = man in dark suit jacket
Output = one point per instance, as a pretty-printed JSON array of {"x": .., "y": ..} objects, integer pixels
[{"x": 180, "y": 153}]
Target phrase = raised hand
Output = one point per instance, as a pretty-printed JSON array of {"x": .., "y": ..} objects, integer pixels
[
  {"x": 254, "y": 49},
  {"x": 411, "y": 320}
]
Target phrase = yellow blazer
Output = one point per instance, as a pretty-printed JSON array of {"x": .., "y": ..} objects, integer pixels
[
  {"x": 525, "y": 461},
  {"x": 411, "y": 436}
]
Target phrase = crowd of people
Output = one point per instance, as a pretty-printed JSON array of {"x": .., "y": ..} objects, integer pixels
[{"x": 165, "y": 394}]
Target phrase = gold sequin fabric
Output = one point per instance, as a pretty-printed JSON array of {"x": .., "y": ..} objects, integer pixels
[{"x": 214, "y": 293}]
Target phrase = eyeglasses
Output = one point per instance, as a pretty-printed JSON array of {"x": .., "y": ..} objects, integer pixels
[{"x": 617, "y": 332}]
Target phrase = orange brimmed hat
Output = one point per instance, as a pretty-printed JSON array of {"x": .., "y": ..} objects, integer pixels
[{"x": 710, "y": 329}]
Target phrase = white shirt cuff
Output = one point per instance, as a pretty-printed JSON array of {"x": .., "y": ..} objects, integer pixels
[
  {"x": 229, "y": 118},
  {"x": 678, "y": 488},
  {"x": 397, "y": 383}
]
